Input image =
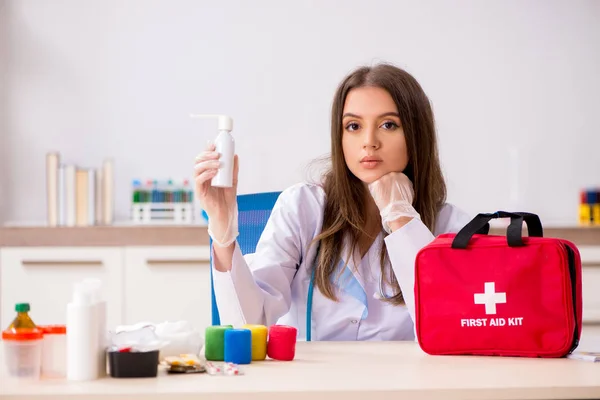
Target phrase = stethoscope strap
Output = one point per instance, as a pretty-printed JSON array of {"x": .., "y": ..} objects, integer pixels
[{"x": 309, "y": 298}]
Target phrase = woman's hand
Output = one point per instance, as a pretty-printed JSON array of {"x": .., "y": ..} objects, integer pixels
[
  {"x": 219, "y": 203},
  {"x": 393, "y": 193}
]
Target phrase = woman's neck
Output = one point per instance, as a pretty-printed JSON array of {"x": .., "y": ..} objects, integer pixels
[{"x": 373, "y": 221}]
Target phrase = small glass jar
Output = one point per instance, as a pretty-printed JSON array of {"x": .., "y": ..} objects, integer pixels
[{"x": 23, "y": 352}]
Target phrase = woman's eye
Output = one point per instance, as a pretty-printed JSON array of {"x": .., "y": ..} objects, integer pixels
[
  {"x": 389, "y": 125},
  {"x": 353, "y": 126}
]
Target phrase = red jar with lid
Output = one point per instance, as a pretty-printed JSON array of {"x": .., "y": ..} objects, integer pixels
[
  {"x": 23, "y": 352},
  {"x": 54, "y": 351}
]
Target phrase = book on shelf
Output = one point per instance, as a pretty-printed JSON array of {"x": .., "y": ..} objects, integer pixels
[{"x": 76, "y": 195}]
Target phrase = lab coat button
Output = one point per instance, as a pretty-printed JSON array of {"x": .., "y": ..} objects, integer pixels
[{"x": 354, "y": 321}]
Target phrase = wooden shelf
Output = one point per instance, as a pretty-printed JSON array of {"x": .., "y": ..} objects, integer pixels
[
  {"x": 581, "y": 236},
  {"x": 104, "y": 236},
  {"x": 136, "y": 235}
]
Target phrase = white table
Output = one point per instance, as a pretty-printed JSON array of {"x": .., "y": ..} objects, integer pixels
[{"x": 352, "y": 370}]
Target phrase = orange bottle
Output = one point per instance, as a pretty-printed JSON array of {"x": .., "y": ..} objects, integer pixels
[{"x": 22, "y": 320}]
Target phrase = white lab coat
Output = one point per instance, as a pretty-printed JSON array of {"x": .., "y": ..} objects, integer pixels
[{"x": 271, "y": 285}]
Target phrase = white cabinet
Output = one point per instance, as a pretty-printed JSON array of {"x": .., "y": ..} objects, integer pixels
[
  {"x": 590, "y": 282},
  {"x": 590, "y": 337},
  {"x": 167, "y": 284},
  {"x": 152, "y": 284},
  {"x": 590, "y": 279},
  {"x": 44, "y": 277},
  {"x": 163, "y": 283}
]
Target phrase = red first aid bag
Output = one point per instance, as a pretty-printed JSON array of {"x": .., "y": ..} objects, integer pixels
[{"x": 510, "y": 295}]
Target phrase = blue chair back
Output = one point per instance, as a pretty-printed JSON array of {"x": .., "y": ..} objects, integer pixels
[{"x": 254, "y": 211}]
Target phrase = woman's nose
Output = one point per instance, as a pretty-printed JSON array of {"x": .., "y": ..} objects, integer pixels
[{"x": 371, "y": 140}]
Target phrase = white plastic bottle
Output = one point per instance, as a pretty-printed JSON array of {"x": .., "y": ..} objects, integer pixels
[
  {"x": 95, "y": 287},
  {"x": 82, "y": 336},
  {"x": 225, "y": 145}
]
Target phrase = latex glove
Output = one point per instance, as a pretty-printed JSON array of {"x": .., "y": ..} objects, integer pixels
[
  {"x": 393, "y": 193},
  {"x": 219, "y": 203}
]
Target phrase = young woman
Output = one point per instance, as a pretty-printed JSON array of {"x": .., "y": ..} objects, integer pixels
[{"x": 336, "y": 260}]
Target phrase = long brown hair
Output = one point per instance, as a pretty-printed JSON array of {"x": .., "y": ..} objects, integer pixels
[{"x": 345, "y": 195}]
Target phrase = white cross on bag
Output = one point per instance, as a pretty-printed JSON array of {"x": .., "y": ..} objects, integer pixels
[{"x": 490, "y": 298}]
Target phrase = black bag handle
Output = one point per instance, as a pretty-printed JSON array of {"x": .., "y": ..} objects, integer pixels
[
  {"x": 534, "y": 225},
  {"x": 480, "y": 225}
]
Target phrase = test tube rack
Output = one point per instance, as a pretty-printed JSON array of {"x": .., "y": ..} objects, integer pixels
[{"x": 162, "y": 202}]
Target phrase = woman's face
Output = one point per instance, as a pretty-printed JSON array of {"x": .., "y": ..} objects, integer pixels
[{"x": 372, "y": 140}]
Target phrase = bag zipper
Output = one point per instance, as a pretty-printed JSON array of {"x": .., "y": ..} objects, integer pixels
[{"x": 573, "y": 276}]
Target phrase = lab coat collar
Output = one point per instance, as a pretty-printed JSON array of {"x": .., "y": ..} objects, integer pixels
[{"x": 347, "y": 277}]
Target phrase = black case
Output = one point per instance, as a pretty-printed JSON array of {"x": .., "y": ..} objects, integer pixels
[{"x": 133, "y": 365}]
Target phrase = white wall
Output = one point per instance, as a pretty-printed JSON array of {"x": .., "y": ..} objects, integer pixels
[
  {"x": 4, "y": 166},
  {"x": 118, "y": 78}
]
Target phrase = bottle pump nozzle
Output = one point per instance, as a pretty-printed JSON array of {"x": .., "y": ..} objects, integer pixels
[
  {"x": 225, "y": 123},
  {"x": 224, "y": 145}
]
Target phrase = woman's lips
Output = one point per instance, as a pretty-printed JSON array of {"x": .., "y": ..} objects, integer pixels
[{"x": 370, "y": 163}]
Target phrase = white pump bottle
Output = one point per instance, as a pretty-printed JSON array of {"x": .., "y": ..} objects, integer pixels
[{"x": 225, "y": 145}]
